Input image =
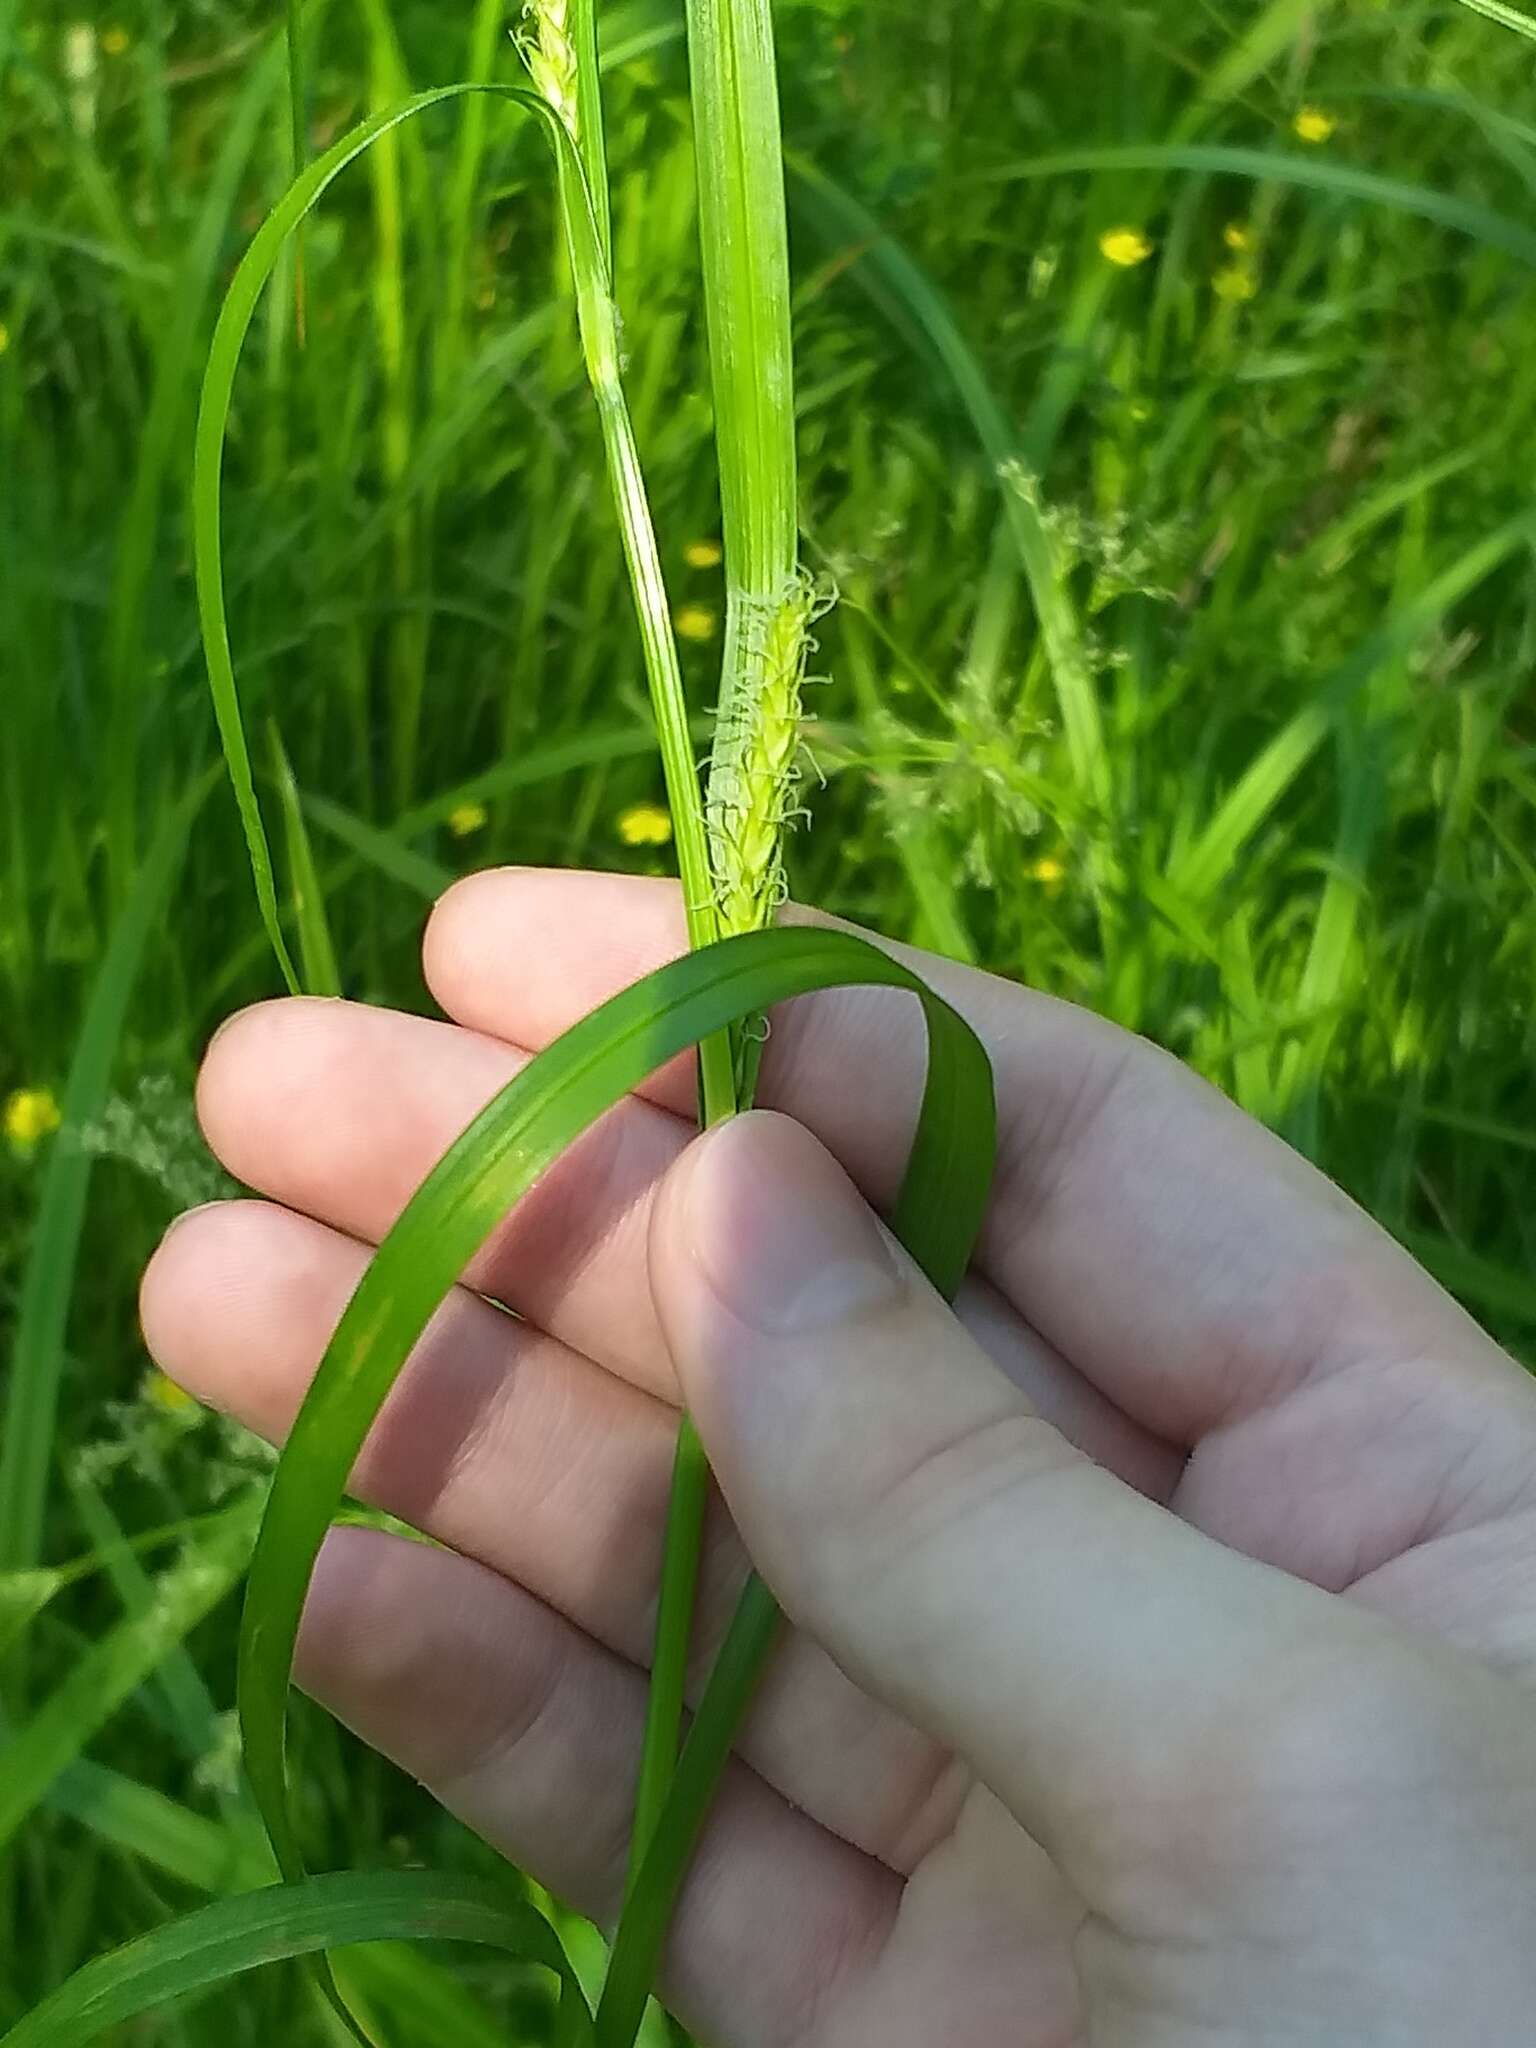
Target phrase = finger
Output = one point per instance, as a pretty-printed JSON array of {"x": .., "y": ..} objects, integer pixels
[
  {"x": 340, "y": 1110},
  {"x": 1186, "y": 1261},
  {"x": 514, "y": 1450},
  {"x": 531, "y": 1733},
  {"x": 1084, "y": 1650}
]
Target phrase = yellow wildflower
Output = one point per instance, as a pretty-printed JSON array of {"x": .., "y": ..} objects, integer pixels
[
  {"x": 5, "y": 337},
  {"x": 694, "y": 622},
  {"x": 1313, "y": 125},
  {"x": 164, "y": 1393},
  {"x": 31, "y": 1114},
  {"x": 645, "y": 825},
  {"x": 465, "y": 819},
  {"x": 1236, "y": 283},
  {"x": 115, "y": 41},
  {"x": 1049, "y": 871},
  {"x": 1125, "y": 247},
  {"x": 702, "y": 554},
  {"x": 1237, "y": 235}
]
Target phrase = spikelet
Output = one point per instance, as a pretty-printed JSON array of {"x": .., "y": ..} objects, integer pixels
[
  {"x": 546, "y": 48},
  {"x": 754, "y": 762}
]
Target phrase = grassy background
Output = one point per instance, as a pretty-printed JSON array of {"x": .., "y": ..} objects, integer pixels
[{"x": 1286, "y": 456}]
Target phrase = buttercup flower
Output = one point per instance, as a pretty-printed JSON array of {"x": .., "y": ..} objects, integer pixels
[
  {"x": 1237, "y": 235},
  {"x": 1313, "y": 125},
  {"x": 702, "y": 554},
  {"x": 30, "y": 1115},
  {"x": 1124, "y": 247},
  {"x": 465, "y": 819},
  {"x": 645, "y": 825},
  {"x": 695, "y": 622},
  {"x": 1236, "y": 283}
]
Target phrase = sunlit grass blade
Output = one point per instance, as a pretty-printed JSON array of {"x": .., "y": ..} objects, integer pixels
[
  {"x": 284, "y": 1921},
  {"x": 383, "y": 850},
  {"x": 514, "y": 1140},
  {"x": 117, "y": 1663},
  {"x": 37, "y": 1353},
  {"x": 1506, "y": 17},
  {"x": 23, "y": 1596}
]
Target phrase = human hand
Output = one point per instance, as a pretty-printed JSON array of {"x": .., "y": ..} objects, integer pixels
[{"x": 1164, "y": 1621}]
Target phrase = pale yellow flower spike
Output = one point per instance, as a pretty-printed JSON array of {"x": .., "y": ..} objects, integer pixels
[
  {"x": 1313, "y": 125},
  {"x": 30, "y": 1115},
  {"x": 1124, "y": 247},
  {"x": 645, "y": 825}
]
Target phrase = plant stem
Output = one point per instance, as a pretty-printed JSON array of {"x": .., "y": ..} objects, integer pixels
[{"x": 745, "y": 247}]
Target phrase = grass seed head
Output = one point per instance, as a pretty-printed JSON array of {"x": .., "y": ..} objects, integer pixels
[{"x": 546, "y": 48}]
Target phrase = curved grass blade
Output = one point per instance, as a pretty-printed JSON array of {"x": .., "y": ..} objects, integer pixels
[
  {"x": 283, "y": 1921},
  {"x": 598, "y": 324},
  {"x": 235, "y": 317},
  {"x": 1342, "y": 181},
  {"x": 504, "y": 1151}
]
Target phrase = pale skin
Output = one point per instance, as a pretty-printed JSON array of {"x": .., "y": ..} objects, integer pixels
[{"x": 1163, "y": 1623}]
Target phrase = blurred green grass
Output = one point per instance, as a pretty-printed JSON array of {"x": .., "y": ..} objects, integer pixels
[{"x": 1284, "y": 824}]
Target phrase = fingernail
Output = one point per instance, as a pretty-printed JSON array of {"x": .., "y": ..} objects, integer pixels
[{"x": 784, "y": 1239}]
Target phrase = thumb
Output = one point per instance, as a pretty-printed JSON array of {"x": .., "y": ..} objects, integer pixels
[{"x": 1076, "y": 1644}]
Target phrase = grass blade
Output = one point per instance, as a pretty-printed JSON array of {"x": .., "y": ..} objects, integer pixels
[
  {"x": 282, "y": 1921},
  {"x": 317, "y": 950},
  {"x": 1506, "y": 17},
  {"x": 37, "y": 1357}
]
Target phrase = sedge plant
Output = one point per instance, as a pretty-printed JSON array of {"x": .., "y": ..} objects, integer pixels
[{"x": 715, "y": 999}]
